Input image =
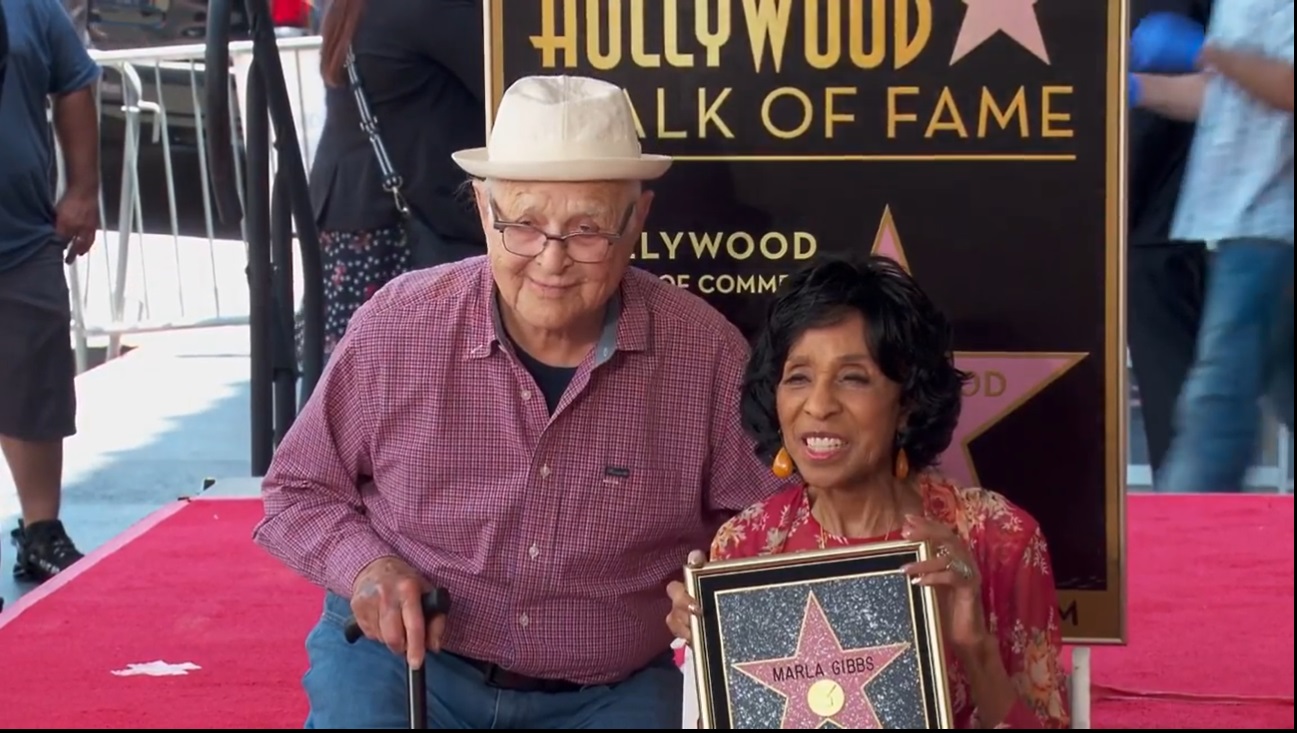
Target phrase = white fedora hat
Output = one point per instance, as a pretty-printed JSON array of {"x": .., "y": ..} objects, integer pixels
[{"x": 563, "y": 128}]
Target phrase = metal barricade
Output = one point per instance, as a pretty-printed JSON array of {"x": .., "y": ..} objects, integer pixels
[{"x": 163, "y": 260}]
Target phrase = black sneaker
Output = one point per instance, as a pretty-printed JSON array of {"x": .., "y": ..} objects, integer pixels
[{"x": 44, "y": 550}]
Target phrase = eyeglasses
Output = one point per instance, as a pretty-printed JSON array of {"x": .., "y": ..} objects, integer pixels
[{"x": 588, "y": 248}]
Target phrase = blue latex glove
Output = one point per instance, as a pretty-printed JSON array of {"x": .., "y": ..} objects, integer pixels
[
  {"x": 1166, "y": 43},
  {"x": 1134, "y": 90}
]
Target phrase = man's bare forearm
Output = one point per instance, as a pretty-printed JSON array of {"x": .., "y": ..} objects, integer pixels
[
  {"x": 1268, "y": 80},
  {"x": 76, "y": 123},
  {"x": 1174, "y": 97}
]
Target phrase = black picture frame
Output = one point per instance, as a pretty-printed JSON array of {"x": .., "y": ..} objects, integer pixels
[{"x": 755, "y": 598}]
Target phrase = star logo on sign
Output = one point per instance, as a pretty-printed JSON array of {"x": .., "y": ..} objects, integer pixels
[
  {"x": 1002, "y": 381},
  {"x": 822, "y": 682},
  {"x": 985, "y": 18}
]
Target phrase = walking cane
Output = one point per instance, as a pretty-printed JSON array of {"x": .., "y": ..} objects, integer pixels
[{"x": 436, "y": 603}]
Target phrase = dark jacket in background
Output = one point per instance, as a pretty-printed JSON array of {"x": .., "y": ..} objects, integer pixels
[
  {"x": 421, "y": 65},
  {"x": 1159, "y": 147},
  {"x": 4, "y": 49},
  {"x": 1165, "y": 280}
]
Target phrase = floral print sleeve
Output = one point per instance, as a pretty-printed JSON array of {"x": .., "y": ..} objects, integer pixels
[
  {"x": 1023, "y": 611},
  {"x": 761, "y": 529}
]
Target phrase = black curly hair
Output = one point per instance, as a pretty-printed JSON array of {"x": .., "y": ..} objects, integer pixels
[{"x": 908, "y": 337}]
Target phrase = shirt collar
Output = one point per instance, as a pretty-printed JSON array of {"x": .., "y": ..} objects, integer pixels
[{"x": 627, "y": 324}]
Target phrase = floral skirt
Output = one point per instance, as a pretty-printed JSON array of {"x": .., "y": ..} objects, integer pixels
[{"x": 355, "y": 265}]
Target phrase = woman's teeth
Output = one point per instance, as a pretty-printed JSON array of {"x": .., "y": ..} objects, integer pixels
[{"x": 823, "y": 445}]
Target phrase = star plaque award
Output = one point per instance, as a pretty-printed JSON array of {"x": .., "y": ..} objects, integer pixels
[{"x": 828, "y": 639}]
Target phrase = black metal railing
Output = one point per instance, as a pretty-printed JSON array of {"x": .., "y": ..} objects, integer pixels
[{"x": 273, "y": 213}]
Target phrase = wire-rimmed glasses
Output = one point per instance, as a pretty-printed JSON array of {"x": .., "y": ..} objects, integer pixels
[{"x": 586, "y": 247}]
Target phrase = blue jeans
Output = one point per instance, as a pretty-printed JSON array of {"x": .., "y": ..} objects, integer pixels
[
  {"x": 363, "y": 685},
  {"x": 1244, "y": 355}
]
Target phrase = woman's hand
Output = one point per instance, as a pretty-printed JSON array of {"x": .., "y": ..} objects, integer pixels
[
  {"x": 683, "y": 606},
  {"x": 954, "y": 574}
]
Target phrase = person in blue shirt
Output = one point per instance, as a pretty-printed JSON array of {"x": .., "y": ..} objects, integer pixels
[
  {"x": 1235, "y": 79},
  {"x": 48, "y": 68}
]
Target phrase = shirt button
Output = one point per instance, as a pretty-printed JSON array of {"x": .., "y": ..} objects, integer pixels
[
  {"x": 534, "y": 552},
  {"x": 544, "y": 471},
  {"x": 524, "y": 620},
  {"x": 526, "y": 395}
]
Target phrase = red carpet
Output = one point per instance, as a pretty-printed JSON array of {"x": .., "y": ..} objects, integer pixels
[
  {"x": 1211, "y": 616},
  {"x": 191, "y": 587}
]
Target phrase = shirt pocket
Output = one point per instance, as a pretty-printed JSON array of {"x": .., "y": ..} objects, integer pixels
[{"x": 627, "y": 510}]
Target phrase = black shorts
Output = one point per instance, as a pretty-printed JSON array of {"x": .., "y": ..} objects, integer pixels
[{"x": 37, "y": 363}]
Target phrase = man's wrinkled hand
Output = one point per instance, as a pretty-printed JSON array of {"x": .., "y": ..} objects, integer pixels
[
  {"x": 387, "y": 602},
  {"x": 77, "y": 222}
]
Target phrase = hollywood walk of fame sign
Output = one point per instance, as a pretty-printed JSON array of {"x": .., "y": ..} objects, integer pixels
[
  {"x": 834, "y": 639},
  {"x": 984, "y": 134}
]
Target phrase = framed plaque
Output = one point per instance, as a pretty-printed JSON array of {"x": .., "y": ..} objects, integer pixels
[{"x": 830, "y": 639}]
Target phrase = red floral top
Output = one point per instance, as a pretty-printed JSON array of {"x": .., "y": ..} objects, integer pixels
[{"x": 1017, "y": 593}]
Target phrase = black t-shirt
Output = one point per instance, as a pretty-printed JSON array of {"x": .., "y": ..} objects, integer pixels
[
  {"x": 551, "y": 380},
  {"x": 1159, "y": 147}
]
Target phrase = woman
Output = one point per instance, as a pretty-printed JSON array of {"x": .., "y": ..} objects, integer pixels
[
  {"x": 419, "y": 64},
  {"x": 852, "y": 385}
]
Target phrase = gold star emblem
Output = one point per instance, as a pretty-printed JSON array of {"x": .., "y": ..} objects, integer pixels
[{"x": 1002, "y": 381}]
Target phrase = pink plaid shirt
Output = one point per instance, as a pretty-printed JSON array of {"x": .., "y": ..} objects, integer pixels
[{"x": 555, "y": 535}]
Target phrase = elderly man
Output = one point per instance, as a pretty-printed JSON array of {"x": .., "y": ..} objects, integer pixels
[{"x": 543, "y": 431}]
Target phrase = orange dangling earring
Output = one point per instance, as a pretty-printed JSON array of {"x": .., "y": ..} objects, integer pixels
[
  {"x": 901, "y": 466},
  {"x": 783, "y": 465}
]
